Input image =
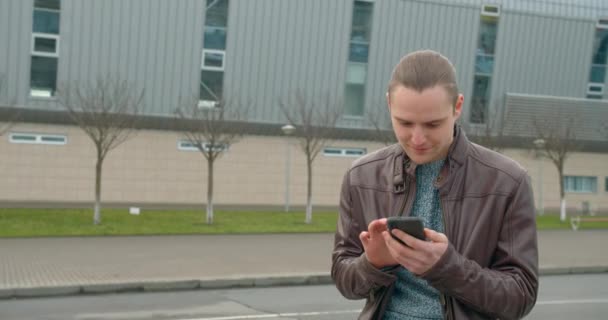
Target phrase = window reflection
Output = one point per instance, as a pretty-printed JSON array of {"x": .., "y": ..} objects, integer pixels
[
  {"x": 211, "y": 85},
  {"x": 43, "y": 74},
  {"x": 215, "y": 38},
  {"x": 484, "y": 63},
  {"x": 46, "y": 21}
]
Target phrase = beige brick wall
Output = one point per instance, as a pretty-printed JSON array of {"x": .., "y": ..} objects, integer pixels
[{"x": 150, "y": 169}]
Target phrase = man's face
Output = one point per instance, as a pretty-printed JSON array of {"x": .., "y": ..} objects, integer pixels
[{"x": 424, "y": 121}]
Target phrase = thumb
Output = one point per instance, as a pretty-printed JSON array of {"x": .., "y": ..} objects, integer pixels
[
  {"x": 435, "y": 236},
  {"x": 364, "y": 237}
]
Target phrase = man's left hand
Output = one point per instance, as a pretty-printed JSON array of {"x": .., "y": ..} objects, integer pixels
[{"x": 417, "y": 256}]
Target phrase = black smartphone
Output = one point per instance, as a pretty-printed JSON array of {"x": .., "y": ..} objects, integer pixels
[{"x": 410, "y": 225}]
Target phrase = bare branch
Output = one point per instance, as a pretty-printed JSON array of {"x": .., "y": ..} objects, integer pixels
[
  {"x": 557, "y": 139},
  {"x": 379, "y": 118},
  {"x": 212, "y": 130},
  {"x": 491, "y": 133},
  {"x": 106, "y": 111},
  {"x": 314, "y": 121}
]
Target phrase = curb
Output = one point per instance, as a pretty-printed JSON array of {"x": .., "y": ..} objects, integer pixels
[{"x": 221, "y": 283}]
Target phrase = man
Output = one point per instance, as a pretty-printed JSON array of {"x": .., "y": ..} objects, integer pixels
[{"x": 480, "y": 260}]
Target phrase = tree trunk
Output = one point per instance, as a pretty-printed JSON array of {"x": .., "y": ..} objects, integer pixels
[
  {"x": 309, "y": 193},
  {"x": 562, "y": 210},
  {"x": 97, "y": 207},
  {"x": 209, "y": 191}
]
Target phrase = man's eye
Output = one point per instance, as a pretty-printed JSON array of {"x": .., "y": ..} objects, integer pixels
[{"x": 434, "y": 125}]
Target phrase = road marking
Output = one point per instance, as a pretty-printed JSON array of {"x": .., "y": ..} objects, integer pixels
[
  {"x": 581, "y": 301},
  {"x": 279, "y": 315}
]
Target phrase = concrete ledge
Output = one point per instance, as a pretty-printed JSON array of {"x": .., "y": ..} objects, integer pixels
[
  {"x": 550, "y": 271},
  {"x": 45, "y": 291},
  {"x": 225, "y": 283},
  {"x": 171, "y": 285},
  {"x": 112, "y": 287},
  {"x": 7, "y": 293}
]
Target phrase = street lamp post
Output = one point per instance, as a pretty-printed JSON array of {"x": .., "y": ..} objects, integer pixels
[
  {"x": 540, "y": 144},
  {"x": 287, "y": 130}
]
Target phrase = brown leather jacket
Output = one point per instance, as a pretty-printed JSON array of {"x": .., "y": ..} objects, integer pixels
[{"x": 490, "y": 269}]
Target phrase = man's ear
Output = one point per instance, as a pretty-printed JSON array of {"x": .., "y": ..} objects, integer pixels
[{"x": 458, "y": 106}]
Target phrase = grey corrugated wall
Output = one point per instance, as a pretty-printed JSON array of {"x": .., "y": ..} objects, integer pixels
[{"x": 276, "y": 47}]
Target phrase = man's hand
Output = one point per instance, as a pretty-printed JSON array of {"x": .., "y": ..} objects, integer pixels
[
  {"x": 375, "y": 246},
  {"x": 418, "y": 256}
]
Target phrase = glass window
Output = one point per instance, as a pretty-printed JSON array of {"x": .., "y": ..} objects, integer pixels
[
  {"x": 216, "y": 14},
  {"x": 53, "y": 139},
  {"x": 480, "y": 99},
  {"x": 213, "y": 60},
  {"x": 484, "y": 63},
  {"x": 355, "y": 73},
  {"x": 33, "y": 138},
  {"x": 48, "y": 4},
  {"x": 215, "y": 38},
  {"x": 43, "y": 75},
  {"x": 487, "y": 35},
  {"x": 354, "y": 99},
  {"x": 187, "y": 145},
  {"x": 46, "y": 21},
  {"x": 580, "y": 184},
  {"x": 600, "y": 46},
  {"x": 598, "y": 73},
  {"x": 211, "y": 85},
  {"x": 344, "y": 152},
  {"x": 606, "y": 184},
  {"x": 358, "y": 52},
  {"x": 22, "y": 138},
  {"x": 362, "y": 21},
  {"x": 45, "y": 45}
]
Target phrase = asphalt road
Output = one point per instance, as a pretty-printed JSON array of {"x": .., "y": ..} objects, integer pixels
[{"x": 561, "y": 297}]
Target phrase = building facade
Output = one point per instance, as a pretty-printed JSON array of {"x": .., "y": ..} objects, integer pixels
[{"x": 515, "y": 60}]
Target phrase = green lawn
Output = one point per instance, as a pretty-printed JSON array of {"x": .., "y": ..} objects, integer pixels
[
  {"x": 79, "y": 222},
  {"x": 551, "y": 221}
]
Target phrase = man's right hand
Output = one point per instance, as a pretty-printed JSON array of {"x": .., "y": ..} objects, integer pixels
[{"x": 375, "y": 246}]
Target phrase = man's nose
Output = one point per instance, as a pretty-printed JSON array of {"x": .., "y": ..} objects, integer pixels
[{"x": 418, "y": 136}]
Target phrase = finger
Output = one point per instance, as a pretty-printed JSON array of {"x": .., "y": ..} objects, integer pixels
[
  {"x": 435, "y": 236},
  {"x": 364, "y": 237},
  {"x": 402, "y": 254},
  {"x": 377, "y": 226},
  {"x": 408, "y": 239}
]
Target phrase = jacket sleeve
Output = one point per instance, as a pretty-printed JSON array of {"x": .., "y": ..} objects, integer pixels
[
  {"x": 508, "y": 288},
  {"x": 354, "y": 276}
]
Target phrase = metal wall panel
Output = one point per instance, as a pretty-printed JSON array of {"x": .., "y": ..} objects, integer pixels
[
  {"x": 553, "y": 58},
  {"x": 276, "y": 48},
  {"x": 155, "y": 45},
  {"x": 401, "y": 27},
  {"x": 15, "y": 47}
]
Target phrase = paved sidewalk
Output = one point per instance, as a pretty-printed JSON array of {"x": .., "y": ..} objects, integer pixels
[{"x": 60, "y": 266}]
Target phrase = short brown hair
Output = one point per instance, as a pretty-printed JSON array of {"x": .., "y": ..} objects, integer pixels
[{"x": 425, "y": 69}]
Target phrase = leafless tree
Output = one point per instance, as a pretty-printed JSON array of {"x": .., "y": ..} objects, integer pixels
[
  {"x": 379, "y": 118},
  {"x": 490, "y": 133},
  {"x": 212, "y": 130},
  {"x": 10, "y": 115},
  {"x": 314, "y": 122},
  {"x": 106, "y": 110},
  {"x": 556, "y": 141}
]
